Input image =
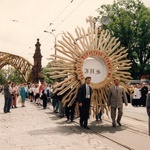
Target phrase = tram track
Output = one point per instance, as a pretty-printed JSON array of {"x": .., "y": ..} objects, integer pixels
[
  {"x": 133, "y": 129},
  {"x": 126, "y": 126},
  {"x": 107, "y": 138},
  {"x": 137, "y": 122},
  {"x": 136, "y": 119},
  {"x": 76, "y": 123},
  {"x": 131, "y": 125}
]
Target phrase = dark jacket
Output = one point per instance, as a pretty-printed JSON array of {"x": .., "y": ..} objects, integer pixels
[
  {"x": 57, "y": 97},
  {"x": 144, "y": 91},
  {"x": 148, "y": 104},
  {"x": 81, "y": 95},
  {"x": 6, "y": 91}
]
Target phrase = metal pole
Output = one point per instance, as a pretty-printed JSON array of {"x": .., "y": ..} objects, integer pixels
[{"x": 55, "y": 36}]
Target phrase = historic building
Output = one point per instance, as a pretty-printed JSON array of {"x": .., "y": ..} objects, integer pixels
[{"x": 37, "y": 75}]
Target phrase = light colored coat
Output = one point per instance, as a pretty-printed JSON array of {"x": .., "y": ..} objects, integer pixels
[{"x": 115, "y": 99}]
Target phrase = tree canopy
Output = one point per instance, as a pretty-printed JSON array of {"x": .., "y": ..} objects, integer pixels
[{"x": 130, "y": 22}]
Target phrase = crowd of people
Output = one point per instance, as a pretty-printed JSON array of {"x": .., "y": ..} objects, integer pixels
[
  {"x": 42, "y": 94},
  {"x": 138, "y": 94},
  {"x": 14, "y": 93}
]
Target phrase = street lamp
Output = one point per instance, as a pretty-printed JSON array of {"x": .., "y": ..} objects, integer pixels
[{"x": 55, "y": 36}]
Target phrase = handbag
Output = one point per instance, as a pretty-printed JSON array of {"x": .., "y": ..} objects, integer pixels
[{"x": 19, "y": 99}]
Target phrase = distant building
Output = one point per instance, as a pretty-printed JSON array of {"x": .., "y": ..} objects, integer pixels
[{"x": 144, "y": 79}]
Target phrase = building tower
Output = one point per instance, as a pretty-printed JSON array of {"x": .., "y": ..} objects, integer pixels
[{"x": 37, "y": 75}]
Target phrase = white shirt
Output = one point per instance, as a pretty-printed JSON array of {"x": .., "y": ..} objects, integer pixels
[
  {"x": 87, "y": 91},
  {"x": 136, "y": 94}
]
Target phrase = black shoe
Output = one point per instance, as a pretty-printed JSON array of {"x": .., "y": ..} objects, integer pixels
[
  {"x": 86, "y": 127},
  {"x": 114, "y": 125},
  {"x": 61, "y": 116},
  {"x": 119, "y": 123},
  {"x": 81, "y": 125},
  {"x": 8, "y": 112},
  {"x": 15, "y": 106}
]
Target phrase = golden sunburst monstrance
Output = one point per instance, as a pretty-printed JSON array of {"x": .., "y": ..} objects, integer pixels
[{"x": 92, "y": 53}]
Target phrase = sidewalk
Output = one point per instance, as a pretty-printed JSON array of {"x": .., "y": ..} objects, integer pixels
[{"x": 32, "y": 128}]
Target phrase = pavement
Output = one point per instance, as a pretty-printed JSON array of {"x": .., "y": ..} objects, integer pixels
[{"x": 33, "y": 128}]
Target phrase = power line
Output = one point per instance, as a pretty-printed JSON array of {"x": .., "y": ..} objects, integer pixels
[
  {"x": 62, "y": 11},
  {"x": 69, "y": 14},
  {"x": 51, "y": 23},
  {"x": 64, "y": 18}
]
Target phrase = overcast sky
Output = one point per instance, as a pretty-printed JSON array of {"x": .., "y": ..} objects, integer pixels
[{"x": 23, "y": 21}]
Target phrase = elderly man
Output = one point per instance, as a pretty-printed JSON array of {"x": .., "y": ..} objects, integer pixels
[
  {"x": 148, "y": 108},
  {"x": 116, "y": 96}
]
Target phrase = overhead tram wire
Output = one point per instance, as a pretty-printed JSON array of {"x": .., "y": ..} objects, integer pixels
[
  {"x": 65, "y": 17},
  {"x": 55, "y": 20},
  {"x": 69, "y": 14},
  {"x": 61, "y": 13},
  {"x": 41, "y": 40}
]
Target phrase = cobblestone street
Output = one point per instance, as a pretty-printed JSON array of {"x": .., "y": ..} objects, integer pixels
[{"x": 32, "y": 128}]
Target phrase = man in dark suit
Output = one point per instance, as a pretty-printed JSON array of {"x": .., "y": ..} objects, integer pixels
[
  {"x": 84, "y": 100},
  {"x": 7, "y": 96},
  {"x": 116, "y": 96}
]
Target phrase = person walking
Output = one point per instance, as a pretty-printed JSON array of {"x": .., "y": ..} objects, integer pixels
[
  {"x": 136, "y": 101},
  {"x": 116, "y": 96},
  {"x": 84, "y": 100},
  {"x": 31, "y": 92},
  {"x": 148, "y": 109},
  {"x": 36, "y": 95},
  {"x": 144, "y": 91},
  {"x": 70, "y": 111},
  {"x": 7, "y": 96},
  {"x": 14, "y": 95},
  {"x": 23, "y": 94},
  {"x": 44, "y": 95}
]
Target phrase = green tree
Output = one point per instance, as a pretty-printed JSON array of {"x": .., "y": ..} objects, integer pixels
[
  {"x": 45, "y": 74},
  {"x": 130, "y": 22},
  {"x": 46, "y": 71},
  {"x": 2, "y": 77},
  {"x": 12, "y": 74},
  {"x": 15, "y": 76}
]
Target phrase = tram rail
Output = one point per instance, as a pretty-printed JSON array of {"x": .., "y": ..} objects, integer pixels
[
  {"x": 128, "y": 127},
  {"x": 106, "y": 137}
]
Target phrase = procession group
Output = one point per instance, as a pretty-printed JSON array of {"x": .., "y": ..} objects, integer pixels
[{"x": 43, "y": 93}]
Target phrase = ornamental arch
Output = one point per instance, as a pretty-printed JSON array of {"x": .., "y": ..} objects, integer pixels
[{"x": 19, "y": 63}]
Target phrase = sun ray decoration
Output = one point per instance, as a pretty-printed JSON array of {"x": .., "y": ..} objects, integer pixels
[{"x": 73, "y": 52}]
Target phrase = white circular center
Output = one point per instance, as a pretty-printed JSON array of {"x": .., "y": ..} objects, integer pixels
[{"x": 95, "y": 68}]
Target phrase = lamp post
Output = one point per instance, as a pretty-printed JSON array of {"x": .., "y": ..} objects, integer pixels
[{"x": 55, "y": 36}]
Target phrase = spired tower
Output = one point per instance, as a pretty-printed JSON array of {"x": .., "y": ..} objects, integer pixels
[{"x": 37, "y": 75}]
